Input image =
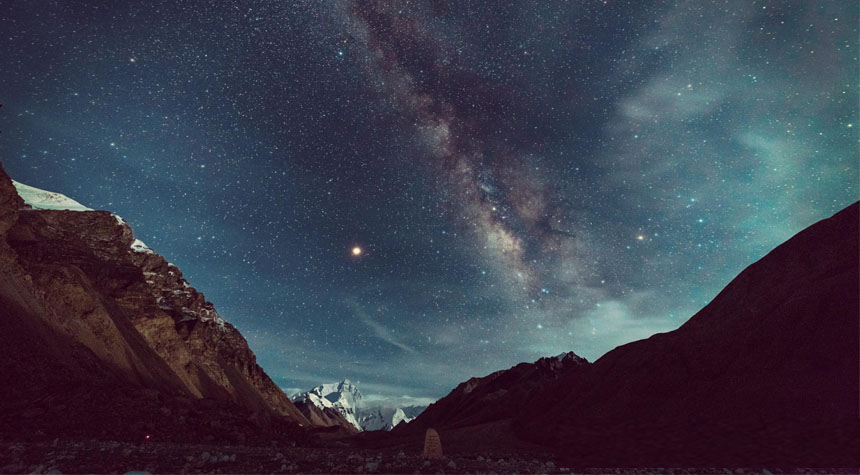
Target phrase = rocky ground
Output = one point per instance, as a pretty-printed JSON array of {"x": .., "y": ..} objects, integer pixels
[{"x": 117, "y": 457}]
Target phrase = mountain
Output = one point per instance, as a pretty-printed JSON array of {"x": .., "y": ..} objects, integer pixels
[
  {"x": 343, "y": 397},
  {"x": 496, "y": 397},
  {"x": 99, "y": 335},
  {"x": 765, "y": 375},
  {"x": 339, "y": 403},
  {"x": 327, "y": 417},
  {"x": 383, "y": 418}
]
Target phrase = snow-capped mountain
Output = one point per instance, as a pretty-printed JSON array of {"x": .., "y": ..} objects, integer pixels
[
  {"x": 133, "y": 347},
  {"x": 382, "y": 418},
  {"x": 345, "y": 398}
]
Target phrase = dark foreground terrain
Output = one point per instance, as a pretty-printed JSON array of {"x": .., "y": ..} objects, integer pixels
[{"x": 90, "y": 456}]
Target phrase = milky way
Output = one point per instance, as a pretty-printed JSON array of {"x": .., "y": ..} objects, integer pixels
[
  {"x": 470, "y": 129},
  {"x": 522, "y": 178}
]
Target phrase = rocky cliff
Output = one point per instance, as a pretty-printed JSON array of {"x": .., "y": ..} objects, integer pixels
[
  {"x": 89, "y": 317},
  {"x": 327, "y": 417}
]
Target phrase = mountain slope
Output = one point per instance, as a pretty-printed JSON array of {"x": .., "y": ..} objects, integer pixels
[
  {"x": 767, "y": 373},
  {"x": 325, "y": 417},
  {"x": 95, "y": 324},
  {"x": 498, "y": 396}
]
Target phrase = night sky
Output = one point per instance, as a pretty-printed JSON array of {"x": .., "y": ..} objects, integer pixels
[{"x": 522, "y": 178}]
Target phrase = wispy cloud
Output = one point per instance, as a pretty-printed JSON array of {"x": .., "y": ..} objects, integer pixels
[
  {"x": 380, "y": 331},
  {"x": 291, "y": 392}
]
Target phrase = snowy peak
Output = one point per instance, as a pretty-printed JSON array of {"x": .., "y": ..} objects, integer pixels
[
  {"x": 41, "y": 199},
  {"x": 383, "y": 418},
  {"x": 343, "y": 394},
  {"x": 345, "y": 398}
]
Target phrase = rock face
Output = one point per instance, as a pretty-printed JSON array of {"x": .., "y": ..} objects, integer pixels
[
  {"x": 90, "y": 316},
  {"x": 496, "y": 397},
  {"x": 325, "y": 417}
]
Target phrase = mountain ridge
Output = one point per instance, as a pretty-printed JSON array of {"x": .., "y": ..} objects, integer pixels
[
  {"x": 77, "y": 279},
  {"x": 766, "y": 374},
  {"x": 494, "y": 397},
  {"x": 340, "y": 404}
]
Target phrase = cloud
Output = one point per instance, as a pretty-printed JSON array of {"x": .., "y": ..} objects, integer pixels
[
  {"x": 380, "y": 331},
  {"x": 292, "y": 392},
  {"x": 613, "y": 323},
  {"x": 379, "y": 400}
]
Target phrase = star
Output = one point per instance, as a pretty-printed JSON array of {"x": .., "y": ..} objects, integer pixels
[{"x": 490, "y": 166}]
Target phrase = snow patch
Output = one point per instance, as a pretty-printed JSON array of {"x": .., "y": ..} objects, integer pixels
[
  {"x": 139, "y": 246},
  {"x": 41, "y": 199},
  {"x": 213, "y": 316}
]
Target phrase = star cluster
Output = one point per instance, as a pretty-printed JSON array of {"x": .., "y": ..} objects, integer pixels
[{"x": 409, "y": 193}]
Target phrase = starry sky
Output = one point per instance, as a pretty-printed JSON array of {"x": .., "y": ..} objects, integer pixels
[{"x": 522, "y": 178}]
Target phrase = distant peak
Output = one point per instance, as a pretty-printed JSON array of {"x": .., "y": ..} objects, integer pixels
[
  {"x": 345, "y": 398},
  {"x": 570, "y": 356}
]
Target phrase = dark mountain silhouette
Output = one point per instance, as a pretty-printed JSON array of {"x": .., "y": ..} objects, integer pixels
[
  {"x": 766, "y": 374},
  {"x": 498, "y": 396}
]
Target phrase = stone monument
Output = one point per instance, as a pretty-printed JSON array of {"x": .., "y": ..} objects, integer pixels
[{"x": 432, "y": 445}]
